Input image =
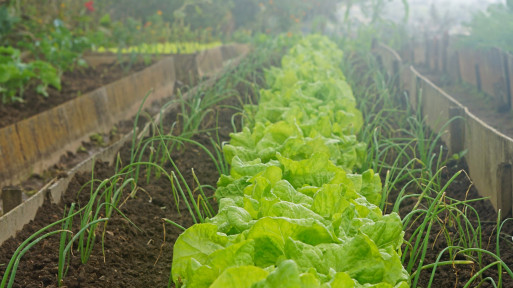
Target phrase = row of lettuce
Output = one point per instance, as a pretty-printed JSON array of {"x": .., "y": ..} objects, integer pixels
[{"x": 292, "y": 213}]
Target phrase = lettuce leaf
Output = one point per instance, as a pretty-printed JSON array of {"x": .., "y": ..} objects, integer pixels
[{"x": 292, "y": 213}]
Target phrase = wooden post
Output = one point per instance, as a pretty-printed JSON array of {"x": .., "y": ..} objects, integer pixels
[
  {"x": 396, "y": 73},
  {"x": 379, "y": 59},
  {"x": 444, "y": 48},
  {"x": 397, "y": 81},
  {"x": 507, "y": 78},
  {"x": 504, "y": 187},
  {"x": 416, "y": 98},
  {"x": 11, "y": 197},
  {"x": 412, "y": 53},
  {"x": 374, "y": 43},
  {"x": 457, "y": 129},
  {"x": 427, "y": 53},
  {"x": 458, "y": 66},
  {"x": 478, "y": 77},
  {"x": 435, "y": 54}
]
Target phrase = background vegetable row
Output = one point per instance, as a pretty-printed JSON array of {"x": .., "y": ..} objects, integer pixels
[{"x": 291, "y": 212}]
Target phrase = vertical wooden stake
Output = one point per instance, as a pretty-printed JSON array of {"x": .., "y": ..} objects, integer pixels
[
  {"x": 396, "y": 73},
  {"x": 478, "y": 77},
  {"x": 397, "y": 81},
  {"x": 504, "y": 187},
  {"x": 445, "y": 45},
  {"x": 417, "y": 95},
  {"x": 11, "y": 197},
  {"x": 436, "y": 55},
  {"x": 374, "y": 43},
  {"x": 507, "y": 78},
  {"x": 427, "y": 52},
  {"x": 457, "y": 129},
  {"x": 458, "y": 63}
]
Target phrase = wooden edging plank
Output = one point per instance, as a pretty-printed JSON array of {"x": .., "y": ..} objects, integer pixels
[
  {"x": 489, "y": 152},
  {"x": 34, "y": 144},
  {"x": 14, "y": 220}
]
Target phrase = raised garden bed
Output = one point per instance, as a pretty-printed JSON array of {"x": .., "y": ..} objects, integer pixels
[
  {"x": 147, "y": 209},
  {"x": 488, "y": 151},
  {"x": 74, "y": 84},
  {"x": 459, "y": 131},
  {"x": 135, "y": 258},
  {"x": 32, "y": 145}
]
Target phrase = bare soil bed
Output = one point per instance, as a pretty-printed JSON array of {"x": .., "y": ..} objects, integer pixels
[
  {"x": 74, "y": 83},
  {"x": 133, "y": 258}
]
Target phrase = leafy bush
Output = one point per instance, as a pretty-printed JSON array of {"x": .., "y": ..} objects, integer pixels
[
  {"x": 15, "y": 75},
  {"x": 61, "y": 47},
  {"x": 492, "y": 28},
  {"x": 275, "y": 17}
]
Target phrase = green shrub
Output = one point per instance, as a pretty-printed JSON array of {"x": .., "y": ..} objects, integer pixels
[
  {"x": 492, "y": 28},
  {"x": 15, "y": 75}
]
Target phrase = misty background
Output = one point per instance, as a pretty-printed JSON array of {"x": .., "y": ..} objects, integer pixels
[{"x": 431, "y": 16}]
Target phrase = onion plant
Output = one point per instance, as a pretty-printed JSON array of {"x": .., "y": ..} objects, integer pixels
[
  {"x": 103, "y": 200},
  {"x": 105, "y": 195},
  {"x": 409, "y": 157}
]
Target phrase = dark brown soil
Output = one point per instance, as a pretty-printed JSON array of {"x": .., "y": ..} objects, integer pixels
[
  {"x": 74, "y": 84},
  {"x": 457, "y": 276},
  {"x": 136, "y": 258},
  {"x": 133, "y": 258},
  {"x": 460, "y": 189},
  {"x": 486, "y": 109}
]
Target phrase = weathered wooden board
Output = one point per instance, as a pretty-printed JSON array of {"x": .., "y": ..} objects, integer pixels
[
  {"x": 419, "y": 54},
  {"x": 488, "y": 151},
  {"x": 434, "y": 53},
  {"x": 209, "y": 62},
  {"x": 442, "y": 53},
  {"x": 492, "y": 76},
  {"x": 508, "y": 72},
  {"x": 438, "y": 111},
  {"x": 453, "y": 61},
  {"x": 468, "y": 64},
  {"x": 36, "y": 143},
  {"x": 14, "y": 220}
]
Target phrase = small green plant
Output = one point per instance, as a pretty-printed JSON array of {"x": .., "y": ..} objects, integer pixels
[
  {"x": 406, "y": 154},
  {"x": 104, "y": 200},
  {"x": 98, "y": 139},
  {"x": 105, "y": 195},
  {"x": 492, "y": 28},
  {"x": 61, "y": 47},
  {"x": 16, "y": 76}
]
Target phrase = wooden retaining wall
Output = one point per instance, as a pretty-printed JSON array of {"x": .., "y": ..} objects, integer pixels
[
  {"x": 489, "y": 153},
  {"x": 13, "y": 221},
  {"x": 488, "y": 70},
  {"x": 190, "y": 67},
  {"x": 34, "y": 144}
]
